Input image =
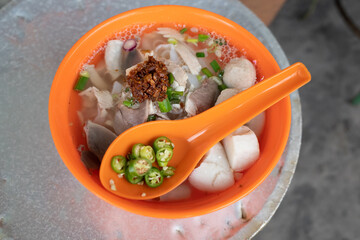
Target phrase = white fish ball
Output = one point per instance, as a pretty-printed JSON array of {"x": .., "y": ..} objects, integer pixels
[
  {"x": 214, "y": 173},
  {"x": 239, "y": 73},
  {"x": 242, "y": 148},
  {"x": 226, "y": 94}
]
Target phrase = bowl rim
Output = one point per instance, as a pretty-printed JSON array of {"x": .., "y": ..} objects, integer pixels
[{"x": 57, "y": 134}]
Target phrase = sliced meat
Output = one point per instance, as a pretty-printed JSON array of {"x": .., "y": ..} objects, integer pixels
[
  {"x": 131, "y": 58},
  {"x": 167, "y": 52},
  {"x": 202, "y": 98},
  {"x": 126, "y": 117},
  {"x": 90, "y": 161},
  {"x": 98, "y": 138}
]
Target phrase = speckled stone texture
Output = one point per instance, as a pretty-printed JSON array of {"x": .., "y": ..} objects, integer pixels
[
  {"x": 39, "y": 198},
  {"x": 323, "y": 201}
]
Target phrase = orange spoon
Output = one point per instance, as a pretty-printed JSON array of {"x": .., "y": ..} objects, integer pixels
[{"x": 193, "y": 137}]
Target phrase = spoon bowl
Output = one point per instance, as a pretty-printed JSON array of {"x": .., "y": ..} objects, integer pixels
[{"x": 193, "y": 137}]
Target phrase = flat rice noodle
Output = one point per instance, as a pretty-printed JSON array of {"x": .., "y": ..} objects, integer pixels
[{"x": 189, "y": 58}]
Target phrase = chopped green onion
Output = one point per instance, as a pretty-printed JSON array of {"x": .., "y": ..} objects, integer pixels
[
  {"x": 219, "y": 82},
  {"x": 182, "y": 31},
  {"x": 128, "y": 103},
  {"x": 172, "y": 41},
  {"x": 356, "y": 100},
  {"x": 220, "y": 42},
  {"x": 85, "y": 74},
  {"x": 221, "y": 74},
  {"x": 151, "y": 117},
  {"x": 222, "y": 87},
  {"x": 165, "y": 106},
  {"x": 127, "y": 89},
  {"x": 84, "y": 77},
  {"x": 175, "y": 101},
  {"x": 115, "y": 96},
  {"x": 80, "y": 85},
  {"x": 199, "y": 78},
  {"x": 206, "y": 71},
  {"x": 192, "y": 40},
  {"x": 214, "y": 64},
  {"x": 174, "y": 96},
  {"x": 171, "y": 78},
  {"x": 200, "y": 54},
  {"x": 203, "y": 37}
]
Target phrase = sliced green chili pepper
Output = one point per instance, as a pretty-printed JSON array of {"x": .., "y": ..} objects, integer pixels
[
  {"x": 132, "y": 178},
  {"x": 168, "y": 171},
  {"x": 162, "y": 142},
  {"x": 139, "y": 167},
  {"x": 165, "y": 106},
  {"x": 163, "y": 156},
  {"x": 135, "y": 152},
  {"x": 154, "y": 178},
  {"x": 148, "y": 153},
  {"x": 118, "y": 164}
]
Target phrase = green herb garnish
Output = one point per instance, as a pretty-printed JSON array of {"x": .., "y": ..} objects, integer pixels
[
  {"x": 215, "y": 65},
  {"x": 203, "y": 37},
  {"x": 182, "y": 31},
  {"x": 206, "y": 71},
  {"x": 171, "y": 78},
  {"x": 200, "y": 54}
]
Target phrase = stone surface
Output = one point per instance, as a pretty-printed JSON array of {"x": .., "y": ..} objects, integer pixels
[
  {"x": 323, "y": 201},
  {"x": 38, "y": 196}
]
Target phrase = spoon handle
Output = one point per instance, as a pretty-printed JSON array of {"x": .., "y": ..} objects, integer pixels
[{"x": 219, "y": 121}]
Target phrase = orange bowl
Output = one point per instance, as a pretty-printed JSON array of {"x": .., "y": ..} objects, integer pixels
[{"x": 68, "y": 134}]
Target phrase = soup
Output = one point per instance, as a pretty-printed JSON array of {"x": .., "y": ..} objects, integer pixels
[{"x": 168, "y": 73}]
